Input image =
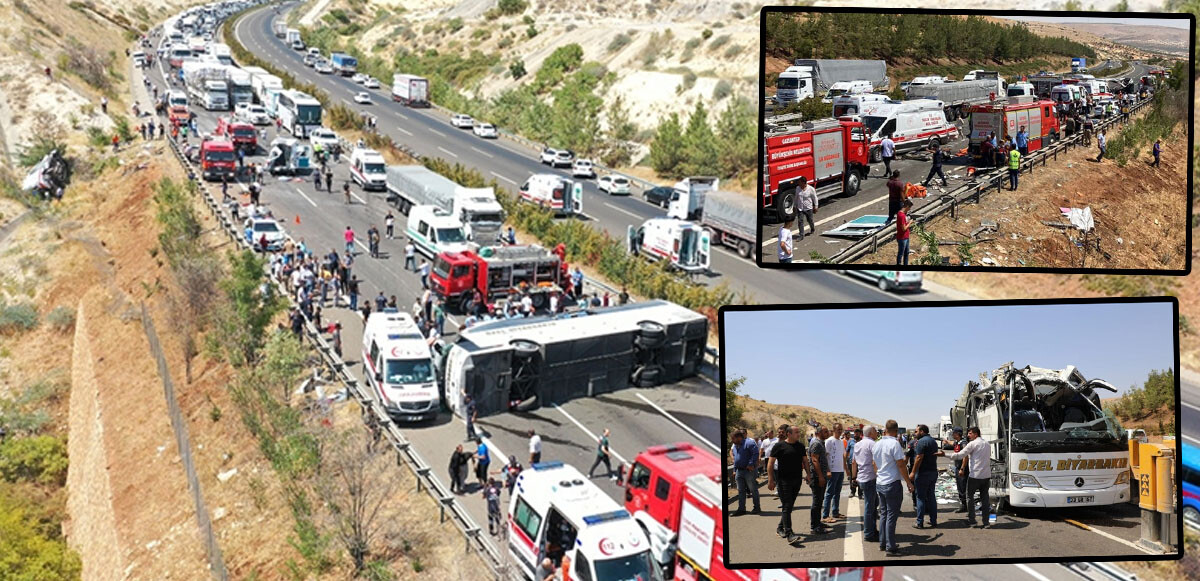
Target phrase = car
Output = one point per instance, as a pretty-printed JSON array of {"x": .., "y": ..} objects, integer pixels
[
  {"x": 485, "y": 130},
  {"x": 583, "y": 168},
  {"x": 659, "y": 196},
  {"x": 614, "y": 185},
  {"x": 268, "y": 228},
  {"x": 324, "y": 136},
  {"x": 239, "y": 110},
  {"x": 889, "y": 280},
  {"x": 257, "y": 115},
  {"x": 309, "y": 60},
  {"x": 462, "y": 121},
  {"x": 362, "y": 98},
  {"x": 324, "y": 67},
  {"x": 359, "y": 78},
  {"x": 371, "y": 83},
  {"x": 548, "y": 155}
]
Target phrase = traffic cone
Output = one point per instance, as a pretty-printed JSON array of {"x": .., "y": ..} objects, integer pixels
[{"x": 297, "y": 218}]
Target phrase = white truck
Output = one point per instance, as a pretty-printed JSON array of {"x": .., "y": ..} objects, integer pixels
[
  {"x": 205, "y": 84},
  {"x": 557, "y": 513},
  {"x": 841, "y": 88},
  {"x": 241, "y": 89},
  {"x": 221, "y": 53},
  {"x": 293, "y": 39},
  {"x": 368, "y": 169},
  {"x": 554, "y": 192},
  {"x": 726, "y": 217},
  {"x": 279, "y": 26},
  {"x": 476, "y": 208},
  {"x": 685, "y": 245},
  {"x": 809, "y": 78},
  {"x": 956, "y": 97},
  {"x": 410, "y": 90},
  {"x": 1052, "y": 444},
  {"x": 434, "y": 231},
  {"x": 263, "y": 82},
  {"x": 398, "y": 366}
]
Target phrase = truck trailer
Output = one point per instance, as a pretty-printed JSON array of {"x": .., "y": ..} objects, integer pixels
[
  {"x": 809, "y": 78},
  {"x": 728, "y": 218},
  {"x": 956, "y": 97},
  {"x": 411, "y": 90},
  {"x": 476, "y": 208},
  {"x": 545, "y": 359}
]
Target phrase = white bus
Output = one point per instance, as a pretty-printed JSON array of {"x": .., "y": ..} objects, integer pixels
[{"x": 298, "y": 112}]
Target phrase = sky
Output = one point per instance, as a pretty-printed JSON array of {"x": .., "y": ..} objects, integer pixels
[
  {"x": 1169, "y": 22},
  {"x": 910, "y": 364}
]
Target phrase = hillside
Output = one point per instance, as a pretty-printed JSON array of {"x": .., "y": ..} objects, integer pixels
[
  {"x": 761, "y": 416},
  {"x": 1157, "y": 39}
]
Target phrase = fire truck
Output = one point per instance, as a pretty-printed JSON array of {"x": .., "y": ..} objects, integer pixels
[
  {"x": 685, "y": 245},
  {"x": 497, "y": 271},
  {"x": 243, "y": 134},
  {"x": 217, "y": 158},
  {"x": 654, "y": 486},
  {"x": 1036, "y": 116},
  {"x": 177, "y": 107},
  {"x": 832, "y": 154},
  {"x": 557, "y": 513}
]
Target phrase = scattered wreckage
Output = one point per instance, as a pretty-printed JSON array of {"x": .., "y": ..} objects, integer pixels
[{"x": 48, "y": 176}]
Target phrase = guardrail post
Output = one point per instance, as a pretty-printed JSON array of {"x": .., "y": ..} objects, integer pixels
[{"x": 874, "y": 243}]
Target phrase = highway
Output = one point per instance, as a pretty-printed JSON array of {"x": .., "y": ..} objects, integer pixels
[{"x": 429, "y": 133}]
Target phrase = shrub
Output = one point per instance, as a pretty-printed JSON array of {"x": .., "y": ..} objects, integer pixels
[
  {"x": 723, "y": 90},
  {"x": 707, "y": 34},
  {"x": 718, "y": 42},
  {"x": 620, "y": 41},
  {"x": 18, "y": 318},
  {"x": 531, "y": 32},
  {"x": 733, "y": 51},
  {"x": 455, "y": 24},
  {"x": 689, "y": 81},
  {"x": 96, "y": 137},
  {"x": 508, "y": 7},
  {"x": 62, "y": 318},
  {"x": 39, "y": 459},
  {"x": 517, "y": 69}
]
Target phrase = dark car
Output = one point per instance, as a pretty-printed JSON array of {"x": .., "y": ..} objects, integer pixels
[{"x": 660, "y": 196}]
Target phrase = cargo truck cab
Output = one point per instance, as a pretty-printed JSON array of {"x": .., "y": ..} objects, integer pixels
[
  {"x": 434, "y": 230},
  {"x": 687, "y": 246},
  {"x": 398, "y": 367}
]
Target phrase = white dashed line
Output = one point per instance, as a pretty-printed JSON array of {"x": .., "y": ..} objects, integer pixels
[
  {"x": 447, "y": 151},
  {"x": 588, "y": 432},
  {"x": 477, "y": 150},
  {"x": 432, "y": 130},
  {"x": 503, "y": 178},
  {"x": 680, "y": 424},
  {"x": 305, "y": 196},
  {"x": 404, "y": 131},
  {"x": 622, "y": 210}
]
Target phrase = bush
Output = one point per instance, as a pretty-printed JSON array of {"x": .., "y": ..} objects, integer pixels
[
  {"x": 620, "y": 41},
  {"x": 689, "y": 81},
  {"x": 723, "y": 90},
  {"x": 718, "y": 42},
  {"x": 531, "y": 32},
  {"x": 31, "y": 549},
  {"x": 508, "y": 7},
  {"x": 62, "y": 318},
  {"x": 517, "y": 69},
  {"x": 733, "y": 51},
  {"x": 96, "y": 137},
  {"x": 707, "y": 34},
  {"x": 455, "y": 24},
  {"x": 18, "y": 318},
  {"x": 38, "y": 459}
]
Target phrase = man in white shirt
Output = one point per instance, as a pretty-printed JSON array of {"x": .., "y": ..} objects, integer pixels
[
  {"x": 978, "y": 469},
  {"x": 806, "y": 206},
  {"x": 768, "y": 443},
  {"x": 785, "y": 243},
  {"x": 535, "y": 448},
  {"x": 836, "y": 451},
  {"x": 866, "y": 483},
  {"x": 890, "y": 468},
  {"x": 887, "y": 151}
]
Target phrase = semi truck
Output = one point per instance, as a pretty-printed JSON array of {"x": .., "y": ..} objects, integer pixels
[
  {"x": 241, "y": 90},
  {"x": 728, "y": 218},
  {"x": 1051, "y": 442},
  {"x": 343, "y": 64},
  {"x": 411, "y": 90},
  {"x": 1042, "y": 84},
  {"x": 476, "y": 208},
  {"x": 221, "y": 53},
  {"x": 832, "y": 154},
  {"x": 685, "y": 245},
  {"x": 497, "y": 272},
  {"x": 526, "y": 362},
  {"x": 263, "y": 82},
  {"x": 956, "y": 97},
  {"x": 205, "y": 84},
  {"x": 280, "y": 28},
  {"x": 293, "y": 39},
  {"x": 1078, "y": 65},
  {"x": 808, "y": 78}
]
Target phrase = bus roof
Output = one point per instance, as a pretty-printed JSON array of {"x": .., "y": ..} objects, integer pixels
[
  {"x": 545, "y": 329},
  {"x": 300, "y": 98}
]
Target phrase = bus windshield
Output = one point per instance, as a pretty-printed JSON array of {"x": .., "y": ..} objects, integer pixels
[
  {"x": 637, "y": 567},
  {"x": 308, "y": 114},
  {"x": 408, "y": 371}
]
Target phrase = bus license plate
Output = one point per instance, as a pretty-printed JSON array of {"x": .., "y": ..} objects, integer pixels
[{"x": 1080, "y": 499}]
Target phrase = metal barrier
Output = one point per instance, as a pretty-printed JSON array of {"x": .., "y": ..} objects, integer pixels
[{"x": 972, "y": 191}]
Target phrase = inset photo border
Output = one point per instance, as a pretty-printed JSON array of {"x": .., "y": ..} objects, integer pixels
[
  {"x": 946, "y": 365},
  {"x": 872, "y": 68}
]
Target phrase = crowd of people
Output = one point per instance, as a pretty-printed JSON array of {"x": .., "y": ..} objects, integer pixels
[{"x": 878, "y": 466}]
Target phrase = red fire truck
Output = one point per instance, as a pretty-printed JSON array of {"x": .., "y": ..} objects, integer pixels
[
  {"x": 496, "y": 272},
  {"x": 217, "y": 158},
  {"x": 1036, "y": 116},
  {"x": 832, "y": 154},
  {"x": 243, "y": 134}
]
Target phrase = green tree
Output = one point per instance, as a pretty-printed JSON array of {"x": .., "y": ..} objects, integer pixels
[
  {"x": 666, "y": 151},
  {"x": 250, "y": 304},
  {"x": 699, "y": 145},
  {"x": 734, "y": 410},
  {"x": 27, "y": 554},
  {"x": 181, "y": 226},
  {"x": 39, "y": 459},
  {"x": 517, "y": 69},
  {"x": 737, "y": 138},
  {"x": 575, "y": 121},
  {"x": 620, "y": 126}
]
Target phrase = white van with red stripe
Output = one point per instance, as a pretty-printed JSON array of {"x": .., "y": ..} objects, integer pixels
[
  {"x": 554, "y": 192},
  {"x": 687, "y": 246},
  {"x": 913, "y": 125},
  {"x": 368, "y": 169},
  {"x": 398, "y": 366},
  {"x": 557, "y": 513}
]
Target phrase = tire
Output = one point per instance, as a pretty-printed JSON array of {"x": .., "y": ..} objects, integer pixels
[
  {"x": 785, "y": 205},
  {"x": 743, "y": 249},
  {"x": 876, "y": 155},
  {"x": 539, "y": 300},
  {"x": 651, "y": 330},
  {"x": 649, "y": 343},
  {"x": 853, "y": 182},
  {"x": 883, "y": 284},
  {"x": 524, "y": 349},
  {"x": 465, "y": 303},
  {"x": 649, "y": 376},
  {"x": 1191, "y": 516}
]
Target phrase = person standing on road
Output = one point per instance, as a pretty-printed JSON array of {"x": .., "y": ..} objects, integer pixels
[
  {"x": 887, "y": 150},
  {"x": 851, "y": 470},
  {"x": 380, "y": 302},
  {"x": 491, "y": 493},
  {"x": 1023, "y": 141},
  {"x": 745, "y": 462},
  {"x": 328, "y": 180},
  {"x": 389, "y": 224},
  {"x": 439, "y": 316},
  {"x": 1014, "y": 168},
  {"x": 785, "y": 469},
  {"x": 888, "y": 456},
  {"x": 1157, "y": 151},
  {"x": 895, "y": 189},
  {"x": 978, "y": 469},
  {"x": 483, "y": 459},
  {"x": 960, "y": 481},
  {"x": 458, "y": 469},
  {"x": 577, "y": 283},
  {"x": 535, "y": 448},
  {"x": 785, "y": 243},
  {"x": 373, "y": 240},
  {"x": 424, "y": 271},
  {"x": 348, "y": 236},
  {"x": 818, "y": 478},
  {"x": 836, "y": 450},
  {"x": 806, "y": 206},
  {"x": 936, "y": 168},
  {"x": 865, "y": 476},
  {"x": 470, "y": 411},
  {"x": 352, "y": 292},
  {"x": 602, "y": 455},
  {"x": 925, "y": 473},
  {"x": 1102, "y": 143},
  {"x": 902, "y": 233}
]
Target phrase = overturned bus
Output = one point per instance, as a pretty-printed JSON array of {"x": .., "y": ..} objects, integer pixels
[
  {"x": 1052, "y": 445},
  {"x": 526, "y": 362}
]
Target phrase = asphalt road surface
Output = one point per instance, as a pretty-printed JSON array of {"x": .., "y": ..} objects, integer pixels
[{"x": 1112, "y": 531}]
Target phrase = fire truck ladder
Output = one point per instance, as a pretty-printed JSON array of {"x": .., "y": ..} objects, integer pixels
[{"x": 778, "y": 126}]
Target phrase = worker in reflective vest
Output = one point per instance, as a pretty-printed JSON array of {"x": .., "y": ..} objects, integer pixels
[{"x": 1014, "y": 167}]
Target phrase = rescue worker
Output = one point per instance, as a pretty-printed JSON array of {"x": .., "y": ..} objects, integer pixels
[
  {"x": 936, "y": 168},
  {"x": 1014, "y": 168}
]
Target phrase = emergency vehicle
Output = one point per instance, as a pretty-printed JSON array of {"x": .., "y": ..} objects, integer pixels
[
  {"x": 554, "y": 192},
  {"x": 913, "y": 125},
  {"x": 368, "y": 169},
  {"x": 1006, "y": 119},
  {"x": 654, "y": 488},
  {"x": 830, "y": 153},
  {"x": 864, "y": 104},
  {"x": 686, "y": 245},
  {"x": 556, "y": 512},
  {"x": 434, "y": 230},
  {"x": 177, "y": 107},
  {"x": 217, "y": 158},
  {"x": 496, "y": 272},
  {"x": 242, "y": 134},
  {"x": 398, "y": 366}
]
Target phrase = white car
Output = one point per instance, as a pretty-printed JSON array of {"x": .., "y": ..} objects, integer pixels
[
  {"x": 462, "y": 121},
  {"x": 359, "y": 78},
  {"x": 583, "y": 168},
  {"x": 239, "y": 111},
  {"x": 614, "y": 185},
  {"x": 326, "y": 137},
  {"x": 324, "y": 67},
  {"x": 256, "y": 114},
  {"x": 362, "y": 98},
  {"x": 371, "y": 83},
  {"x": 563, "y": 158},
  {"x": 485, "y": 130},
  {"x": 268, "y": 228}
]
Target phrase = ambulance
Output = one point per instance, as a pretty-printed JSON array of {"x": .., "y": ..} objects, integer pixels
[
  {"x": 863, "y": 104},
  {"x": 398, "y": 366},
  {"x": 554, "y": 192},
  {"x": 913, "y": 125},
  {"x": 687, "y": 246},
  {"x": 557, "y": 513}
]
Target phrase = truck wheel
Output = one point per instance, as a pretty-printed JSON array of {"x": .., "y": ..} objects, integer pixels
[
  {"x": 743, "y": 249},
  {"x": 465, "y": 303},
  {"x": 648, "y": 376},
  {"x": 651, "y": 330},
  {"x": 649, "y": 343},
  {"x": 853, "y": 182},
  {"x": 876, "y": 155},
  {"x": 785, "y": 205}
]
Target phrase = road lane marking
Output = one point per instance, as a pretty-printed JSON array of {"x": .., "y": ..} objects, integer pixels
[
  {"x": 622, "y": 210},
  {"x": 404, "y": 131},
  {"x": 1029, "y": 570},
  {"x": 482, "y": 151},
  {"x": 447, "y": 151},
  {"x": 853, "y": 550},
  {"x": 833, "y": 217},
  {"x": 364, "y": 202},
  {"x": 432, "y": 130},
  {"x": 594, "y": 438},
  {"x": 1108, "y": 536},
  {"x": 686, "y": 427},
  {"x": 1193, "y": 406},
  {"x": 302, "y": 194},
  {"x": 503, "y": 178},
  {"x": 400, "y": 115},
  {"x": 1191, "y": 439},
  {"x": 907, "y": 578}
]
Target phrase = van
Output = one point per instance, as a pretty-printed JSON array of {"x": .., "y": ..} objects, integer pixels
[
  {"x": 553, "y": 191},
  {"x": 913, "y": 125},
  {"x": 139, "y": 58},
  {"x": 368, "y": 169},
  {"x": 847, "y": 88},
  {"x": 434, "y": 231},
  {"x": 1020, "y": 90},
  {"x": 889, "y": 280},
  {"x": 863, "y": 104},
  {"x": 1066, "y": 93},
  {"x": 398, "y": 366}
]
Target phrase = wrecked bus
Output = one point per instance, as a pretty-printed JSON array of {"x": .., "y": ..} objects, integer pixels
[{"x": 1052, "y": 444}]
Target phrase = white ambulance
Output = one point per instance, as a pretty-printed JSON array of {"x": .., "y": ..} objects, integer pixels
[
  {"x": 864, "y": 104},
  {"x": 913, "y": 125},
  {"x": 558, "y": 513},
  {"x": 687, "y": 246},
  {"x": 555, "y": 192},
  {"x": 368, "y": 169},
  {"x": 398, "y": 366}
]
